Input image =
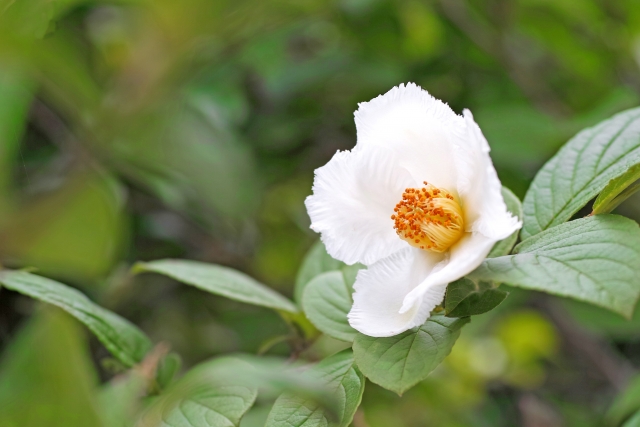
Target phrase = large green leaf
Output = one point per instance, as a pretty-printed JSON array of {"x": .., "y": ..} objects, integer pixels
[
  {"x": 123, "y": 339},
  {"x": 397, "y": 363},
  {"x": 503, "y": 247},
  {"x": 342, "y": 379},
  {"x": 466, "y": 297},
  {"x": 617, "y": 191},
  {"x": 316, "y": 262},
  {"x": 47, "y": 377},
  {"x": 204, "y": 397},
  {"x": 220, "y": 281},
  {"x": 580, "y": 170},
  {"x": 326, "y": 302},
  {"x": 594, "y": 259}
]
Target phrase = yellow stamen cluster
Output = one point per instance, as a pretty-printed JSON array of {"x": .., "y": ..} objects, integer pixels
[{"x": 428, "y": 218}]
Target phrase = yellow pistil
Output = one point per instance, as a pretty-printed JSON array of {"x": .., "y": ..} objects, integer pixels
[{"x": 428, "y": 218}]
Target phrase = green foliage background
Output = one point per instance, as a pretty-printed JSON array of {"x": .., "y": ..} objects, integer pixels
[{"x": 139, "y": 130}]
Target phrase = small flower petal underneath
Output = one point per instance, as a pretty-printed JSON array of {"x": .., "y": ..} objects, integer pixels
[
  {"x": 464, "y": 257},
  {"x": 381, "y": 289},
  {"x": 352, "y": 202}
]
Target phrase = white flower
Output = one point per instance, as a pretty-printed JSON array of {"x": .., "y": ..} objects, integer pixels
[{"x": 373, "y": 205}]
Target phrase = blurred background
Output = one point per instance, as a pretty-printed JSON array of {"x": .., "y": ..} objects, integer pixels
[{"x": 138, "y": 130}]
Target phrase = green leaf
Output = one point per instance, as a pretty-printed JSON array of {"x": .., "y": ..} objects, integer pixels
[
  {"x": 204, "y": 397},
  {"x": 75, "y": 232},
  {"x": 593, "y": 259},
  {"x": 123, "y": 339},
  {"x": 47, "y": 377},
  {"x": 221, "y": 281},
  {"x": 342, "y": 378},
  {"x": 278, "y": 375},
  {"x": 581, "y": 170},
  {"x": 398, "y": 363},
  {"x": 503, "y": 247},
  {"x": 625, "y": 404},
  {"x": 316, "y": 262},
  {"x": 602, "y": 322},
  {"x": 349, "y": 272},
  {"x": 29, "y": 18},
  {"x": 634, "y": 421},
  {"x": 326, "y": 302},
  {"x": 466, "y": 297},
  {"x": 617, "y": 191},
  {"x": 168, "y": 369},
  {"x": 15, "y": 98},
  {"x": 120, "y": 400}
]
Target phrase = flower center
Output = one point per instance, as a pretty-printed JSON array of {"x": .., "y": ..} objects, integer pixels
[{"x": 428, "y": 218}]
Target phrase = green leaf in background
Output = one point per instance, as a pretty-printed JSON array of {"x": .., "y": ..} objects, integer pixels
[
  {"x": 47, "y": 377},
  {"x": 204, "y": 397},
  {"x": 466, "y": 297},
  {"x": 316, "y": 261},
  {"x": 219, "y": 280},
  {"x": 625, "y": 404},
  {"x": 398, "y": 363},
  {"x": 15, "y": 98},
  {"x": 350, "y": 272},
  {"x": 167, "y": 370},
  {"x": 29, "y": 18},
  {"x": 343, "y": 380},
  {"x": 194, "y": 162},
  {"x": 617, "y": 191},
  {"x": 275, "y": 375},
  {"x": 594, "y": 259},
  {"x": 123, "y": 339},
  {"x": 634, "y": 421},
  {"x": 123, "y": 398},
  {"x": 120, "y": 400},
  {"x": 76, "y": 232},
  {"x": 326, "y": 302},
  {"x": 602, "y": 322},
  {"x": 503, "y": 247},
  {"x": 580, "y": 170}
]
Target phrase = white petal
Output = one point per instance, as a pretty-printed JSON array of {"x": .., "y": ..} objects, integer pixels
[
  {"x": 479, "y": 187},
  {"x": 486, "y": 215},
  {"x": 463, "y": 258},
  {"x": 353, "y": 199},
  {"x": 381, "y": 289},
  {"x": 418, "y": 127}
]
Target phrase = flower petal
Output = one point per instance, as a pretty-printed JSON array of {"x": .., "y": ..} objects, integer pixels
[
  {"x": 418, "y": 128},
  {"x": 463, "y": 258},
  {"x": 353, "y": 199},
  {"x": 381, "y": 289},
  {"x": 479, "y": 187}
]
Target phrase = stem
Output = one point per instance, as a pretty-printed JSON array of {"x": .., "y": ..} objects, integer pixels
[{"x": 304, "y": 332}]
